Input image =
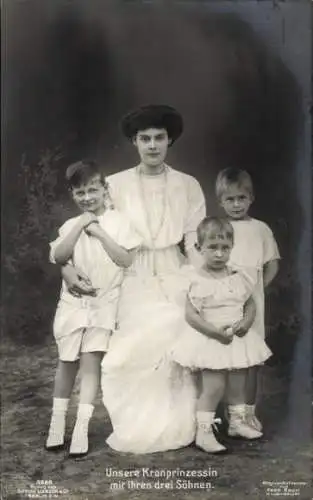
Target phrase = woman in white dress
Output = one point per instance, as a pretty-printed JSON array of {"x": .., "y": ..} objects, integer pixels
[{"x": 151, "y": 403}]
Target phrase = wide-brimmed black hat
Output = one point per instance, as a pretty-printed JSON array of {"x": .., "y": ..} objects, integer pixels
[{"x": 154, "y": 115}]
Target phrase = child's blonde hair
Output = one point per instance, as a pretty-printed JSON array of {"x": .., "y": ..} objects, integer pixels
[
  {"x": 214, "y": 227},
  {"x": 233, "y": 176}
]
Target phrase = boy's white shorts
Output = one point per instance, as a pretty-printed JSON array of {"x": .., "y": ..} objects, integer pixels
[{"x": 82, "y": 340}]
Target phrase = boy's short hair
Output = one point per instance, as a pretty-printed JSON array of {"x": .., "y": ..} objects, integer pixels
[
  {"x": 82, "y": 171},
  {"x": 230, "y": 176},
  {"x": 214, "y": 227}
]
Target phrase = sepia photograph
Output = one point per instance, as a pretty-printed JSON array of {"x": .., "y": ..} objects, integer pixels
[{"x": 156, "y": 208}]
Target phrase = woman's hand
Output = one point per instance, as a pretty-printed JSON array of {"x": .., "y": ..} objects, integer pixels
[{"x": 77, "y": 281}]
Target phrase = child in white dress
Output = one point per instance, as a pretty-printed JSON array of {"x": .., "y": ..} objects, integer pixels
[
  {"x": 223, "y": 347},
  {"x": 254, "y": 247},
  {"x": 98, "y": 242}
]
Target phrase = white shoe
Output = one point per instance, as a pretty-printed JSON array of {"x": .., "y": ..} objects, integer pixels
[
  {"x": 79, "y": 443},
  {"x": 254, "y": 422},
  {"x": 238, "y": 426},
  {"x": 251, "y": 417},
  {"x": 206, "y": 440},
  {"x": 55, "y": 438}
]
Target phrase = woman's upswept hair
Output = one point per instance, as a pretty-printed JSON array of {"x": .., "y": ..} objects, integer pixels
[
  {"x": 233, "y": 176},
  {"x": 82, "y": 171},
  {"x": 214, "y": 227}
]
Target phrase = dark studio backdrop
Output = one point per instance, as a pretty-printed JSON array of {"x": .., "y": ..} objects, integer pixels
[{"x": 238, "y": 72}]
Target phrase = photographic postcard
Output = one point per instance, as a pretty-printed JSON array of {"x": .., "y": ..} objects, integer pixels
[{"x": 239, "y": 72}]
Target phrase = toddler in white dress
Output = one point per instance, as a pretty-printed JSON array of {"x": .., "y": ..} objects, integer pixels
[
  {"x": 220, "y": 343},
  {"x": 98, "y": 242},
  {"x": 254, "y": 247}
]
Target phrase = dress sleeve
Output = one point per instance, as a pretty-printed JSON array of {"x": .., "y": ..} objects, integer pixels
[
  {"x": 195, "y": 212},
  {"x": 270, "y": 248},
  {"x": 63, "y": 231},
  {"x": 126, "y": 235}
]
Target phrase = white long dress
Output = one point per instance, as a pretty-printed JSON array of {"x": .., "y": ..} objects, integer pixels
[
  {"x": 254, "y": 245},
  {"x": 151, "y": 402}
]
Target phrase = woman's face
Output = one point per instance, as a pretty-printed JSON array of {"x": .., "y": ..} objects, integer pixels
[{"x": 152, "y": 145}]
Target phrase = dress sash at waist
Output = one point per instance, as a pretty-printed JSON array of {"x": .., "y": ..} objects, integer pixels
[{"x": 157, "y": 261}]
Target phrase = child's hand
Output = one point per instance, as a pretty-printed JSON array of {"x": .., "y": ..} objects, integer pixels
[
  {"x": 88, "y": 218},
  {"x": 226, "y": 335},
  {"x": 240, "y": 328},
  {"x": 93, "y": 229}
]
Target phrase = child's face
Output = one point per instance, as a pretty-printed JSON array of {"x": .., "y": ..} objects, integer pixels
[
  {"x": 236, "y": 202},
  {"x": 216, "y": 251},
  {"x": 152, "y": 145},
  {"x": 89, "y": 197}
]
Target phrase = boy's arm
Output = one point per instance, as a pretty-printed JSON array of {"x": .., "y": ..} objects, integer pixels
[
  {"x": 194, "y": 319},
  {"x": 270, "y": 269},
  {"x": 63, "y": 251},
  {"x": 120, "y": 256},
  {"x": 271, "y": 256}
]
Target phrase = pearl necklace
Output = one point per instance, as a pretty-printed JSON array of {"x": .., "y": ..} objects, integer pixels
[{"x": 153, "y": 235}]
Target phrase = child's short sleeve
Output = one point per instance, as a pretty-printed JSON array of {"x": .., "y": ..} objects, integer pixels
[
  {"x": 196, "y": 296},
  {"x": 63, "y": 231},
  {"x": 270, "y": 248}
]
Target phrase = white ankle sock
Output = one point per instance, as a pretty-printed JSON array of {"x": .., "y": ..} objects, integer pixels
[
  {"x": 85, "y": 410},
  {"x": 237, "y": 409},
  {"x": 60, "y": 405},
  {"x": 205, "y": 417},
  {"x": 250, "y": 409}
]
